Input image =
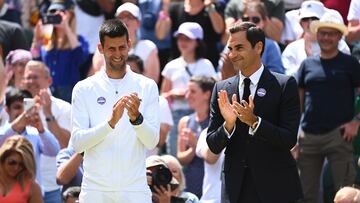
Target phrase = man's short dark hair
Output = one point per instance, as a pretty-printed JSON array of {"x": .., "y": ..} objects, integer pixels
[
  {"x": 113, "y": 28},
  {"x": 205, "y": 83},
  {"x": 14, "y": 94},
  {"x": 254, "y": 34}
]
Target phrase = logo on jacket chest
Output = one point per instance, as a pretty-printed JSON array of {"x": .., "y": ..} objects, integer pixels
[{"x": 101, "y": 100}]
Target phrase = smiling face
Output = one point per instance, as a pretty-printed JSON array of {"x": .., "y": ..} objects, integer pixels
[
  {"x": 13, "y": 165},
  {"x": 243, "y": 56},
  {"x": 115, "y": 53},
  {"x": 35, "y": 79},
  {"x": 328, "y": 39},
  {"x": 196, "y": 96}
]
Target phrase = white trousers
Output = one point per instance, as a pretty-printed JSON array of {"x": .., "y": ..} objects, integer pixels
[{"x": 91, "y": 196}]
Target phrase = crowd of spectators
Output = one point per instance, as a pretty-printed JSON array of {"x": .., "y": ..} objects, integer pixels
[{"x": 47, "y": 46}]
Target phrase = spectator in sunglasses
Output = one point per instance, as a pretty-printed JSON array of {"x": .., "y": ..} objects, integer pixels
[{"x": 17, "y": 166}]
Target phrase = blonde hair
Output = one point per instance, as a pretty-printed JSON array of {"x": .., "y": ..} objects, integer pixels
[
  {"x": 347, "y": 195},
  {"x": 65, "y": 44},
  {"x": 19, "y": 144},
  {"x": 169, "y": 158}
]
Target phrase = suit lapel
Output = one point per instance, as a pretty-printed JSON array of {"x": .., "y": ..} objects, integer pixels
[
  {"x": 233, "y": 88},
  {"x": 263, "y": 89}
]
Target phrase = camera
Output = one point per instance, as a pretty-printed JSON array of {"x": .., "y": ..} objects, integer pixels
[
  {"x": 51, "y": 19},
  {"x": 161, "y": 176}
]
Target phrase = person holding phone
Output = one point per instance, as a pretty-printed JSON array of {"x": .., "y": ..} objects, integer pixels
[
  {"x": 27, "y": 123},
  {"x": 58, "y": 45}
]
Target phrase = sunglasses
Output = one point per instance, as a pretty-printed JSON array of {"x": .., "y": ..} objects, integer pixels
[
  {"x": 255, "y": 19},
  {"x": 330, "y": 34},
  {"x": 309, "y": 19},
  {"x": 12, "y": 162}
]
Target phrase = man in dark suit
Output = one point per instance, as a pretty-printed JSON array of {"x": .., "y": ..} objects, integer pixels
[{"x": 259, "y": 131}]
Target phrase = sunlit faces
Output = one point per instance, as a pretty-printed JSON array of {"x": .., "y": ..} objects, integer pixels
[
  {"x": 185, "y": 44},
  {"x": 241, "y": 53},
  {"x": 196, "y": 96},
  {"x": 115, "y": 52},
  {"x": 35, "y": 79},
  {"x": 13, "y": 164},
  {"x": 328, "y": 39}
]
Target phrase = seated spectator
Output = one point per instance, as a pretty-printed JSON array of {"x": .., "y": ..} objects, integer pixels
[
  {"x": 174, "y": 192},
  {"x": 71, "y": 195},
  {"x": 347, "y": 195},
  {"x": 27, "y": 123},
  {"x": 18, "y": 169},
  {"x": 69, "y": 168}
]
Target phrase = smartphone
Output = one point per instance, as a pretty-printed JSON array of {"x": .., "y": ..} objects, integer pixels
[
  {"x": 28, "y": 103},
  {"x": 51, "y": 19}
]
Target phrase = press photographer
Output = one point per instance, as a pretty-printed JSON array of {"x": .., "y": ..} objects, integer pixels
[{"x": 167, "y": 181}]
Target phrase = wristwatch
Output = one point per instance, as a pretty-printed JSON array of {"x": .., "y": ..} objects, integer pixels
[
  {"x": 50, "y": 118},
  {"x": 138, "y": 120}
]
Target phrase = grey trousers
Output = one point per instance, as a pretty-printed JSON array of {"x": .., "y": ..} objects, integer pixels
[{"x": 313, "y": 151}]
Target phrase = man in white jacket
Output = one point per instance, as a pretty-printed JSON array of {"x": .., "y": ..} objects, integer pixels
[{"x": 115, "y": 119}]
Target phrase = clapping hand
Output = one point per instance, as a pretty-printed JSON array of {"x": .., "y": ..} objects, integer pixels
[
  {"x": 132, "y": 102},
  {"x": 245, "y": 111},
  {"x": 226, "y": 109}
]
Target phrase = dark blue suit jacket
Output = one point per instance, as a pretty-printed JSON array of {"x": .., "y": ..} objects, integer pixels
[{"x": 267, "y": 153}]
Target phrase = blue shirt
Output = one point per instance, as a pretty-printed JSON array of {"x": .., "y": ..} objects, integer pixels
[
  {"x": 271, "y": 58},
  {"x": 64, "y": 64}
]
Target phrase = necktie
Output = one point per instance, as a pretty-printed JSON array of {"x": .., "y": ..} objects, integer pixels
[{"x": 246, "y": 92}]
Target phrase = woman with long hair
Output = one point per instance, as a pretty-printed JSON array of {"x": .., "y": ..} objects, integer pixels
[
  {"x": 57, "y": 44},
  {"x": 17, "y": 172}
]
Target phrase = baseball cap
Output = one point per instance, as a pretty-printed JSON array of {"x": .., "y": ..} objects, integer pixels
[
  {"x": 191, "y": 30},
  {"x": 331, "y": 19},
  {"x": 61, "y": 5},
  {"x": 310, "y": 9},
  {"x": 129, "y": 7},
  {"x": 155, "y": 160}
]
